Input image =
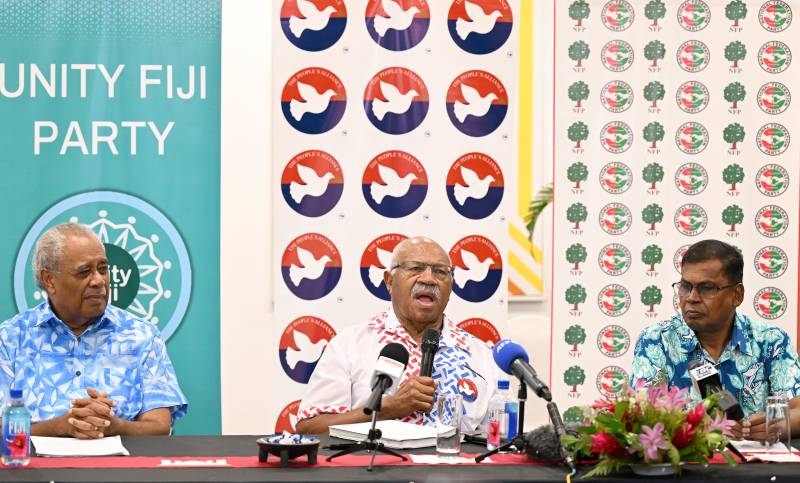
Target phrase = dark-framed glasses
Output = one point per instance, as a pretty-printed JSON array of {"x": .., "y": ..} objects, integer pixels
[
  {"x": 704, "y": 290},
  {"x": 439, "y": 271}
]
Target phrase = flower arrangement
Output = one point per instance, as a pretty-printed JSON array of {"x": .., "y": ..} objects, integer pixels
[{"x": 657, "y": 424}]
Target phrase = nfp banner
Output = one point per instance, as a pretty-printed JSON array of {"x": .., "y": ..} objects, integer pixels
[
  {"x": 674, "y": 123},
  {"x": 110, "y": 117}
]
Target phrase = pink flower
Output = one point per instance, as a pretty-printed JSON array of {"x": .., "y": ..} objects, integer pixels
[
  {"x": 604, "y": 443},
  {"x": 683, "y": 436},
  {"x": 672, "y": 398},
  {"x": 721, "y": 423},
  {"x": 604, "y": 405},
  {"x": 18, "y": 448},
  {"x": 652, "y": 440},
  {"x": 696, "y": 415}
]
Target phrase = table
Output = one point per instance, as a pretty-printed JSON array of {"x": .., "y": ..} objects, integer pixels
[{"x": 173, "y": 446}]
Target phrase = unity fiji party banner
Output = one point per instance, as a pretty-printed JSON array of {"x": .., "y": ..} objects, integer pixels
[
  {"x": 396, "y": 119},
  {"x": 673, "y": 124},
  {"x": 110, "y": 117}
]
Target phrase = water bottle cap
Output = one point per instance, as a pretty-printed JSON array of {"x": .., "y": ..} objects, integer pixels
[
  {"x": 502, "y": 384},
  {"x": 15, "y": 393}
]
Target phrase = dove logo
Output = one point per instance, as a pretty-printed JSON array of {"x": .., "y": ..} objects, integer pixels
[
  {"x": 480, "y": 26},
  {"x": 287, "y": 418},
  {"x": 377, "y": 259},
  {"x": 773, "y": 139},
  {"x": 772, "y": 221},
  {"x": 475, "y": 186},
  {"x": 467, "y": 389},
  {"x": 396, "y": 100},
  {"x": 694, "y": 15},
  {"x": 693, "y": 56},
  {"x": 615, "y": 218},
  {"x": 301, "y": 346},
  {"x": 774, "y": 57},
  {"x": 617, "y": 15},
  {"x": 616, "y": 137},
  {"x": 775, "y": 15},
  {"x": 691, "y": 178},
  {"x": 617, "y": 96},
  {"x": 313, "y": 25},
  {"x": 617, "y": 55},
  {"x": 771, "y": 262},
  {"x": 772, "y": 180},
  {"x": 477, "y": 268},
  {"x": 477, "y": 103},
  {"x": 614, "y": 300},
  {"x": 397, "y": 24},
  {"x": 691, "y": 137},
  {"x": 690, "y": 219},
  {"x": 774, "y": 98},
  {"x": 692, "y": 97},
  {"x": 770, "y": 303},
  {"x": 482, "y": 329},
  {"x": 616, "y": 178},
  {"x": 394, "y": 184},
  {"x": 611, "y": 381},
  {"x": 311, "y": 266},
  {"x": 312, "y": 183},
  {"x": 313, "y": 100}
]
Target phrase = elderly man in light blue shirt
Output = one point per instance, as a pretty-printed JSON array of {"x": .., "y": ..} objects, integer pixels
[{"x": 86, "y": 369}]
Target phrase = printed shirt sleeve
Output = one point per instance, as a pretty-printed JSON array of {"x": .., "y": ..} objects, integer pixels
[
  {"x": 649, "y": 359},
  {"x": 329, "y": 390},
  {"x": 160, "y": 387},
  {"x": 784, "y": 374},
  {"x": 6, "y": 367}
]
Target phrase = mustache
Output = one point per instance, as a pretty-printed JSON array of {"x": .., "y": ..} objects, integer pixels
[{"x": 424, "y": 287}]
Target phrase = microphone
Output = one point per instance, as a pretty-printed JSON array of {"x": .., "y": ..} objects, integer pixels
[
  {"x": 705, "y": 379},
  {"x": 544, "y": 444},
  {"x": 513, "y": 360},
  {"x": 430, "y": 344},
  {"x": 391, "y": 364}
]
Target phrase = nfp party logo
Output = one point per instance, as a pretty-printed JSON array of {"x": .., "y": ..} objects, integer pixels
[
  {"x": 611, "y": 381},
  {"x": 615, "y": 218},
  {"x": 397, "y": 24},
  {"x": 313, "y": 25},
  {"x": 773, "y": 139},
  {"x": 479, "y": 26},
  {"x": 394, "y": 184},
  {"x": 616, "y": 137},
  {"x": 775, "y": 15},
  {"x": 287, "y": 419},
  {"x": 301, "y": 346},
  {"x": 377, "y": 259},
  {"x": 617, "y": 96},
  {"x": 478, "y": 268},
  {"x": 311, "y": 266},
  {"x": 772, "y": 180},
  {"x": 614, "y": 259},
  {"x": 690, "y": 219},
  {"x": 313, "y": 100},
  {"x": 691, "y": 178},
  {"x": 617, "y": 15},
  {"x": 613, "y": 341},
  {"x": 694, "y": 15},
  {"x": 150, "y": 274},
  {"x": 770, "y": 303},
  {"x": 396, "y": 100},
  {"x": 475, "y": 185},
  {"x": 692, "y": 97},
  {"x": 616, "y": 177},
  {"x": 691, "y": 137},
  {"x": 482, "y": 329},
  {"x": 312, "y": 183},
  {"x": 771, "y": 262},
  {"x": 693, "y": 56},
  {"x": 677, "y": 258},
  {"x": 774, "y": 57},
  {"x": 477, "y": 103},
  {"x": 617, "y": 55},
  {"x": 614, "y": 300},
  {"x": 772, "y": 221},
  {"x": 774, "y": 98}
]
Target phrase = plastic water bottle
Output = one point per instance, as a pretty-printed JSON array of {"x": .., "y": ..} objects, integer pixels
[
  {"x": 16, "y": 431},
  {"x": 497, "y": 420}
]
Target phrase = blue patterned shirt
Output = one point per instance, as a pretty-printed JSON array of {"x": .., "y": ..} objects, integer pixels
[
  {"x": 759, "y": 360},
  {"x": 119, "y": 354}
]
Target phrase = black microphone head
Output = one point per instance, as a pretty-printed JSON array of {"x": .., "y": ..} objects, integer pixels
[
  {"x": 543, "y": 444},
  {"x": 430, "y": 340},
  {"x": 395, "y": 351}
]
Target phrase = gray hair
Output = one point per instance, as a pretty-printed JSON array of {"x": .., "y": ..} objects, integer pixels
[{"x": 50, "y": 248}]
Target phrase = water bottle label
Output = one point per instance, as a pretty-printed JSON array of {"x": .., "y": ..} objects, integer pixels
[{"x": 493, "y": 434}]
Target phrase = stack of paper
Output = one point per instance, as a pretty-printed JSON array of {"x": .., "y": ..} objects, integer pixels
[
  {"x": 394, "y": 434},
  {"x": 48, "y": 446},
  {"x": 778, "y": 453}
]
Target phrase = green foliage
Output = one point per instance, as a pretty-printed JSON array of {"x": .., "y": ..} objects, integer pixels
[
  {"x": 734, "y": 92},
  {"x": 543, "y": 198},
  {"x": 579, "y": 10},
  {"x": 654, "y": 50},
  {"x": 654, "y": 91},
  {"x": 578, "y": 51},
  {"x": 732, "y": 174},
  {"x": 736, "y": 10},
  {"x": 578, "y": 91},
  {"x": 653, "y": 173},
  {"x": 654, "y": 10}
]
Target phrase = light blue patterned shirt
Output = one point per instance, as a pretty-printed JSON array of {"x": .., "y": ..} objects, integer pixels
[
  {"x": 759, "y": 360},
  {"x": 119, "y": 354}
]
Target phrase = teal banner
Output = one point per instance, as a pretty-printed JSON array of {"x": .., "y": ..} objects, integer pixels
[{"x": 110, "y": 116}]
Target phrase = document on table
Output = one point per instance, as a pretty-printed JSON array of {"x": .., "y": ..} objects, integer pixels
[
  {"x": 49, "y": 446},
  {"x": 777, "y": 453}
]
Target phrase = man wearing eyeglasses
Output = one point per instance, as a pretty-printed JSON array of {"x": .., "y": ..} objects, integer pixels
[
  {"x": 754, "y": 360},
  {"x": 419, "y": 282}
]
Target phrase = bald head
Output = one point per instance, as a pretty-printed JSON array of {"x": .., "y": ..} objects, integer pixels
[{"x": 418, "y": 244}]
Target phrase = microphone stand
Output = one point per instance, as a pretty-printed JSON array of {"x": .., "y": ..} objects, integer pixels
[
  {"x": 522, "y": 396},
  {"x": 371, "y": 444}
]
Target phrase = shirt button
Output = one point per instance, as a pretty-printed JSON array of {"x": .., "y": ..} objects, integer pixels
[{"x": 78, "y": 373}]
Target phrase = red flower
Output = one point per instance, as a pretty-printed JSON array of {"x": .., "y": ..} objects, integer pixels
[
  {"x": 604, "y": 443},
  {"x": 604, "y": 405},
  {"x": 696, "y": 415},
  {"x": 18, "y": 447},
  {"x": 683, "y": 436}
]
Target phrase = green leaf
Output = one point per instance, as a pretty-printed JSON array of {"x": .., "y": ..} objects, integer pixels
[
  {"x": 730, "y": 459},
  {"x": 540, "y": 201},
  {"x": 674, "y": 457}
]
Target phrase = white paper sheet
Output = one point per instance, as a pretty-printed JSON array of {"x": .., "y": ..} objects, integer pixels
[
  {"x": 49, "y": 446},
  {"x": 747, "y": 446},
  {"x": 432, "y": 459}
]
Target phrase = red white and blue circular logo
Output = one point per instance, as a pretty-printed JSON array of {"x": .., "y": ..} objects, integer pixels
[
  {"x": 313, "y": 100},
  {"x": 396, "y": 100},
  {"x": 394, "y": 184},
  {"x": 482, "y": 329},
  {"x": 311, "y": 266},
  {"x": 301, "y": 346},
  {"x": 313, "y": 25},
  {"x": 467, "y": 389},
  {"x": 397, "y": 24},
  {"x": 477, "y": 103},
  {"x": 287, "y": 418},
  {"x": 312, "y": 183},
  {"x": 475, "y": 185},
  {"x": 377, "y": 259},
  {"x": 480, "y": 26},
  {"x": 477, "y": 268}
]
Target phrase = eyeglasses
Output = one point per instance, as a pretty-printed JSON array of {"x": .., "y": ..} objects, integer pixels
[
  {"x": 705, "y": 291},
  {"x": 439, "y": 271}
]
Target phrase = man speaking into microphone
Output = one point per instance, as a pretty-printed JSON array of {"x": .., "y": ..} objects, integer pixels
[
  {"x": 754, "y": 360},
  {"x": 419, "y": 281}
]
